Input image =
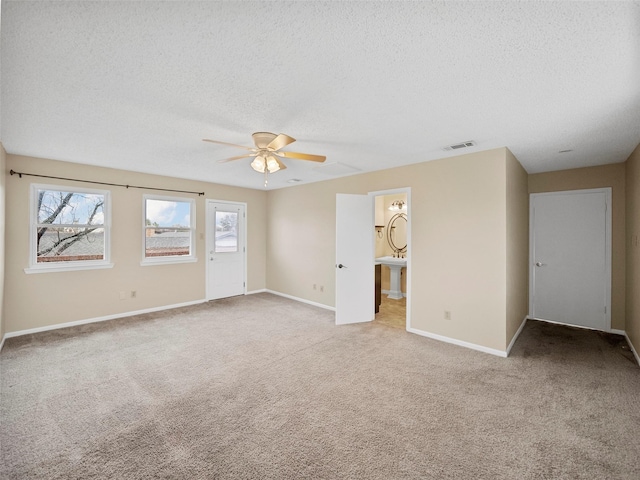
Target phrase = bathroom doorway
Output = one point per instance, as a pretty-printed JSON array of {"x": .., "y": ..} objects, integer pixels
[{"x": 392, "y": 247}]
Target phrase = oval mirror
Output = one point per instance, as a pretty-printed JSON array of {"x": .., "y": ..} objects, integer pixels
[{"x": 397, "y": 232}]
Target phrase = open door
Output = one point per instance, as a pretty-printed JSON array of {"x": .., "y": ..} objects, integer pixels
[{"x": 355, "y": 273}]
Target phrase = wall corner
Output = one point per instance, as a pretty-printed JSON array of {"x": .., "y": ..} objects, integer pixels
[
  {"x": 517, "y": 246},
  {"x": 632, "y": 253}
]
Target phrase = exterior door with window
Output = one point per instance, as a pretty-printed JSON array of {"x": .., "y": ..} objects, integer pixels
[{"x": 226, "y": 252}]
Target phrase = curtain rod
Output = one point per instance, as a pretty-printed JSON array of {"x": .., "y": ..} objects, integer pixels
[{"x": 20, "y": 174}]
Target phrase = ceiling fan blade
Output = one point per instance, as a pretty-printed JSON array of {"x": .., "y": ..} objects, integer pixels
[
  {"x": 302, "y": 156},
  {"x": 229, "y": 144},
  {"x": 237, "y": 158},
  {"x": 281, "y": 164},
  {"x": 280, "y": 141}
]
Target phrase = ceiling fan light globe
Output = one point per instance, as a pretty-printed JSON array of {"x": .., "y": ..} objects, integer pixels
[
  {"x": 272, "y": 164},
  {"x": 258, "y": 164}
]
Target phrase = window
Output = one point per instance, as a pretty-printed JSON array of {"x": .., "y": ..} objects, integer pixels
[
  {"x": 226, "y": 232},
  {"x": 69, "y": 228},
  {"x": 169, "y": 230}
]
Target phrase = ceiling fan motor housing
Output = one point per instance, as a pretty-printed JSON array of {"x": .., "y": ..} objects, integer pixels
[{"x": 262, "y": 139}]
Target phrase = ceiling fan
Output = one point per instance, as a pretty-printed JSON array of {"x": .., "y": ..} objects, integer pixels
[{"x": 266, "y": 152}]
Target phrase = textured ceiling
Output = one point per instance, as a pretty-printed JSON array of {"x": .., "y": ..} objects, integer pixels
[{"x": 371, "y": 85}]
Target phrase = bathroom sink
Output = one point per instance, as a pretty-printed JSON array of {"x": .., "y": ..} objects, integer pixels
[
  {"x": 392, "y": 261},
  {"x": 395, "y": 265}
]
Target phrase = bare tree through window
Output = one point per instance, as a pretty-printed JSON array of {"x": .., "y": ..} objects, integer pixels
[
  {"x": 226, "y": 232},
  {"x": 70, "y": 226}
]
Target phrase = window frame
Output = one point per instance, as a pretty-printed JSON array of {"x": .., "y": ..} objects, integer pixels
[
  {"x": 71, "y": 265},
  {"x": 169, "y": 259}
]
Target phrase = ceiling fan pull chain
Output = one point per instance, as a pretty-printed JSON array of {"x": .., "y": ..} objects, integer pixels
[{"x": 266, "y": 179}]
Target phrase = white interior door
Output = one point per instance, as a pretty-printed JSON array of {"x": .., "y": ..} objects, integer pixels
[
  {"x": 355, "y": 273},
  {"x": 226, "y": 249},
  {"x": 570, "y": 257}
]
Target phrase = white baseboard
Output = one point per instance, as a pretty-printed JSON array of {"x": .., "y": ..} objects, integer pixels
[
  {"x": 460, "y": 343},
  {"x": 387, "y": 292},
  {"x": 2, "y": 342},
  {"x": 253, "y": 292},
  {"x": 617, "y": 332},
  {"x": 633, "y": 349},
  {"x": 302, "y": 300},
  {"x": 515, "y": 337},
  {"x": 98, "y": 319}
]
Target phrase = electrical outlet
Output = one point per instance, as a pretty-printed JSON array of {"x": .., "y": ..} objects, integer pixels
[
  {"x": 133, "y": 294},
  {"x": 314, "y": 286},
  {"x": 635, "y": 241},
  {"x": 447, "y": 315},
  {"x": 321, "y": 288}
]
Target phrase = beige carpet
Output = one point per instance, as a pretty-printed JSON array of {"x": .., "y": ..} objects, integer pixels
[{"x": 264, "y": 387}]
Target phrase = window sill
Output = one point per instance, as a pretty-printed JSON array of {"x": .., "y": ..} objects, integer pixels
[
  {"x": 66, "y": 268},
  {"x": 147, "y": 262}
]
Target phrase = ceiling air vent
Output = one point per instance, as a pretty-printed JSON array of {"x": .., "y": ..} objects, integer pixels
[{"x": 458, "y": 146}]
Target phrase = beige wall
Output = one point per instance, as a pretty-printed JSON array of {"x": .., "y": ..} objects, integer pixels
[
  {"x": 3, "y": 181},
  {"x": 44, "y": 299},
  {"x": 459, "y": 235},
  {"x": 597, "y": 177},
  {"x": 517, "y": 245},
  {"x": 633, "y": 248}
]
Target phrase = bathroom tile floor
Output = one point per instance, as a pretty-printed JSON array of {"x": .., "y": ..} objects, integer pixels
[{"x": 392, "y": 313}]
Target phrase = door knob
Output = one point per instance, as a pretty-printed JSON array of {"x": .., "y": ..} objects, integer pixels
[
  {"x": 540, "y": 264},
  {"x": 341, "y": 266}
]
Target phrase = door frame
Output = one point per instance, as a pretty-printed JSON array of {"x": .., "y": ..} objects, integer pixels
[
  {"x": 393, "y": 191},
  {"x": 208, "y": 238},
  {"x": 608, "y": 197}
]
